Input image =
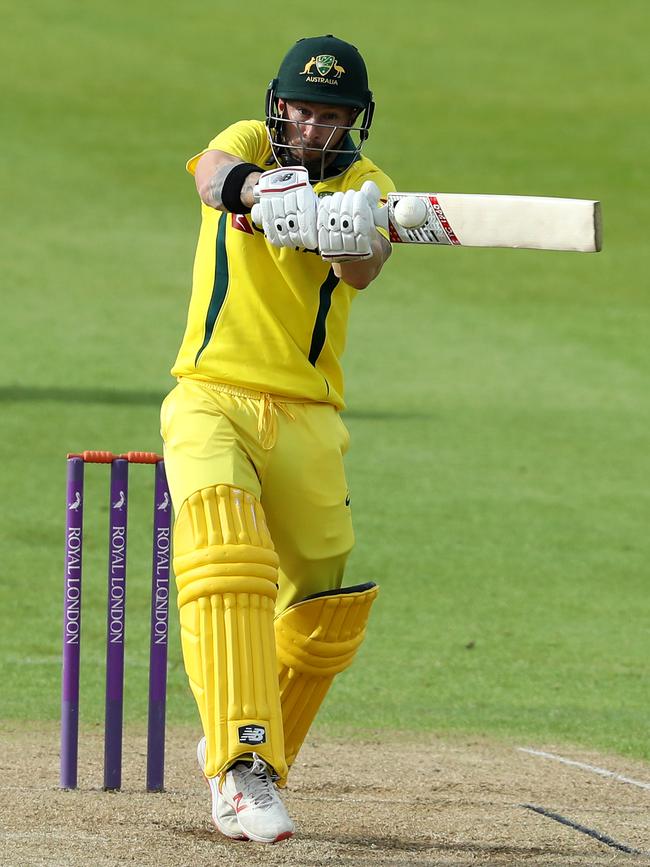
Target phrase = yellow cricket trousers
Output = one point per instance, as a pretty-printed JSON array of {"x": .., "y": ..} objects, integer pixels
[{"x": 287, "y": 454}]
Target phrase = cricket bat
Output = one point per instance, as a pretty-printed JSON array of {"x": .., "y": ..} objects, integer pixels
[{"x": 463, "y": 220}]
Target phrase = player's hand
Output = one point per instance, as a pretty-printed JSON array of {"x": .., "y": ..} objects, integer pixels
[
  {"x": 346, "y": 225},
  {"x": 286, "y": 207}
]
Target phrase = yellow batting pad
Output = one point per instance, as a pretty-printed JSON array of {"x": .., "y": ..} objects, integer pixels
[
  {"x": 226, "y": 574},
  {"x": 315, "y": 640}
]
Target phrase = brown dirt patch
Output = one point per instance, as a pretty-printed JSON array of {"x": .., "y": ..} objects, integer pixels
[{"x": 388, "y": 801}]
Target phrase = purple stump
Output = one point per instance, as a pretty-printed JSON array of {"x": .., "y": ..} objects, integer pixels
[
  {"x": 115, "y": 623},
  {"x": 162, "y": 528},
  {"x": 71, "y": 624}
]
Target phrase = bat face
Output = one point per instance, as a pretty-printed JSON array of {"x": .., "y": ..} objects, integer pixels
[{"x": 464, "y": 220}]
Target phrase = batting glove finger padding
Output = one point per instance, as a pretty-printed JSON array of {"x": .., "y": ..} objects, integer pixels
[
  {"x": 286, "y": 208},
  {"x": 346, "y": 224}
]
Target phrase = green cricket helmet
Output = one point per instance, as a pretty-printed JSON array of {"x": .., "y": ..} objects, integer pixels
[{"x": 322, "y": 69}]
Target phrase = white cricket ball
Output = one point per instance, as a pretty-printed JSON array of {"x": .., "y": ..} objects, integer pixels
[{"x": 411, "y": 212}]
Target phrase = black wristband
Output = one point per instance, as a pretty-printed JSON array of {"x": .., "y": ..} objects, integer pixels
[{"x": 231, "y": 189}]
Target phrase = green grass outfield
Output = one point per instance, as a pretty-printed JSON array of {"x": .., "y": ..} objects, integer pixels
[{"x": 499, "y": 410}]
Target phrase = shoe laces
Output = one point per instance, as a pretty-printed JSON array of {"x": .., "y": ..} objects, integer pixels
[{"x": 260, "y": 780}]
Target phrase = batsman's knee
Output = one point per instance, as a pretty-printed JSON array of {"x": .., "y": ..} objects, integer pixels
[{"x": 222, "y": 544}]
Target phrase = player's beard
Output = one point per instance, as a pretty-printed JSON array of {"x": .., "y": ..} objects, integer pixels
[
  {"x": 317, "y": 166},
  {"x": 296, "y": 153}
]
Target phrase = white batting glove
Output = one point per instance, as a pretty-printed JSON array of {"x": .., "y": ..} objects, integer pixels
[
  {"x": 286, "y": 208},
  {"x": 346, "y": 224}
]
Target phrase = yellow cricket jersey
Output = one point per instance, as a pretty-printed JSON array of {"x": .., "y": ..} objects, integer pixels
[{"x": 262, "y": 317}]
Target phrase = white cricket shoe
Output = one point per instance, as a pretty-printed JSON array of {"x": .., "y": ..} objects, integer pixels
[
  {"x": 223, "y": 815},
  {"x": 251, "y": 792}
]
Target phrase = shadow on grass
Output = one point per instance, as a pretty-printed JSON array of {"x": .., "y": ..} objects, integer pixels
[
  {"x": 144, "y": 397},
  {"x": 395, "y": 414},
  {"x": 59, "y": 394}
]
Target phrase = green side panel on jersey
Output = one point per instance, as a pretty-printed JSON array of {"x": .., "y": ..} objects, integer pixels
[
  {"x": 220, "y": 286},
  {"x": 325, "y": 302}
]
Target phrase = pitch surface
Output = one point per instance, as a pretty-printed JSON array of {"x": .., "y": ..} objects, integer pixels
[{"x": 382, "y": 801}]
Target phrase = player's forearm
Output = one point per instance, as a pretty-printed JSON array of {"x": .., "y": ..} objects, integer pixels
[
  {"x": 361, "y": 273},
  {"x": 211, "y": 172},
  {"x": 213, "y": 191}
]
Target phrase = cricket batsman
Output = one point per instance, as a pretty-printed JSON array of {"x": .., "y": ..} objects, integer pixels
[{"x": 253, "y": 439}]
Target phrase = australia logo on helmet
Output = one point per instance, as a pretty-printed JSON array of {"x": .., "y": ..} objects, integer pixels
[{"x": 326, "y": 65}]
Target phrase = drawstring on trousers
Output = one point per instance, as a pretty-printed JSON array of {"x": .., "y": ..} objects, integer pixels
[
  {"x": 267, "y": 414},
  {"x": 267, "y": 420}
]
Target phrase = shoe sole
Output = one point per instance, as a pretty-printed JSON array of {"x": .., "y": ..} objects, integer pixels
[{"x": 283, "y": 836}]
